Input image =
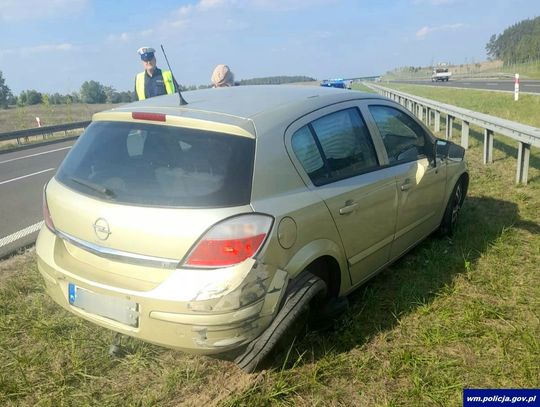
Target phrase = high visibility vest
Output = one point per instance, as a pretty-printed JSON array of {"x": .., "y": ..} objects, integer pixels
[{"x": 167, "y": 80}]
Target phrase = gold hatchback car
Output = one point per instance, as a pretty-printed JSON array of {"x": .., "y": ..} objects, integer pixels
[{"x": 214, "y": 227}]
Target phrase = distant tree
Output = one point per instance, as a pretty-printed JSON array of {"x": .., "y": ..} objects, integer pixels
[
  {"x": 275, "y": 80},
  {"x": 126, "y": 97},
  {"x": 73, "y": 98},
  {"x": 5, "y": 92},
  {"x": 93, "y": 92},
  {"x": 21, "y": 100},
  {"x": 29, "y": 97},
  {"x": 112, "y": 96},
  {"x": 518, "y": 43},
  {"x": 12, "y": 100},
  {"x": 55, "y": 98}
]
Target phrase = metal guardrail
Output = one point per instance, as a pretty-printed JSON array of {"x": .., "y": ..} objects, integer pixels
[
  {"x": 37, "y": 131},
  {"x": 526, "y": 136}
]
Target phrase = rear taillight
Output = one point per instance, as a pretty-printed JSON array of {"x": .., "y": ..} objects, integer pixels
[
  {"x": 230, "y": 242},
  {"x": 46, "y": 214}
]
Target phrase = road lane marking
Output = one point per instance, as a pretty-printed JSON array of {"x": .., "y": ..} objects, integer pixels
[
  {"x": 33, "y": 155},
  {"x": 26, "y": 176},
  {"x": 20, "y": 234}
]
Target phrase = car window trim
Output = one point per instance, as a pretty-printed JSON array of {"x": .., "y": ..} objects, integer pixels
[
  {"x": 375, "y": 130},
  {"x": 292, "y": 155}
]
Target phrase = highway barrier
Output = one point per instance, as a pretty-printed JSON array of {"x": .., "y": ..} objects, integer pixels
[
  {"x": 42, "y": 131},
  {"x": 429, "y": 111}
]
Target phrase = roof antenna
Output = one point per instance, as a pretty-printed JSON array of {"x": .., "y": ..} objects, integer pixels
[{"x": 182, "y": 100}]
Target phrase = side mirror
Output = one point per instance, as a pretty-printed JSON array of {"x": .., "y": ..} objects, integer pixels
[
  {"x": 445, "y": 149},
  {"x": 440, "y": 150},
  {"x": 456, "y": 152}
]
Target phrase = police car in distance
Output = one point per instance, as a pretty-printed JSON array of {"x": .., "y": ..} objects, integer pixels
[{"x": 334, "y": 83}]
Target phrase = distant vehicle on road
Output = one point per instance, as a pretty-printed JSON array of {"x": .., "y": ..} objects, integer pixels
[
  {"x": 334, "y": 83},
  {"x": 440, "y": 74}
]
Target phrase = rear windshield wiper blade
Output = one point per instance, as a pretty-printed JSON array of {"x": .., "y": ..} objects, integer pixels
[{"x": 94, "y": 187}]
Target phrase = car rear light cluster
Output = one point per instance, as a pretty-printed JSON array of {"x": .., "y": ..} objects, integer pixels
[
  {"x": 46, "y": 214},
  {"x": 230, "y": 242}
]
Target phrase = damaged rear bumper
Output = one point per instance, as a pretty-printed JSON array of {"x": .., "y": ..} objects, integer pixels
[{"x": 215, "y": 319}]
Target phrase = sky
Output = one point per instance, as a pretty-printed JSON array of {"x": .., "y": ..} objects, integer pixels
[{"x": 56, "y": 45}]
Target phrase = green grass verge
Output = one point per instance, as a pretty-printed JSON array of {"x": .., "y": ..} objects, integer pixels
[
  {"x": 501, "y": 104},
  {"x": 451, "y": 314},
  {"x": 361, "y": 88},
  {"x": 20, "y": 118}
]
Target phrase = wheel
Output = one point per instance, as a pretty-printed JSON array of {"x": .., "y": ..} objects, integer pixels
[
  {"x": 291, "y": 318},
  {"x": 451, "y": 213}
]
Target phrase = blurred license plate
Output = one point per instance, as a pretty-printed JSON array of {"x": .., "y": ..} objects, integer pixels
[{"x": 117, "y": 309}]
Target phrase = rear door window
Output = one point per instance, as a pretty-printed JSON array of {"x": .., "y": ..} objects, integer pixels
[
  {"x": 145, "y": 164},
  {"x": 403, "y": 138},
  {"x": 334, "y": 147}
]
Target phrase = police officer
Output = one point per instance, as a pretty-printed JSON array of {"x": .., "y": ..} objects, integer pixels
[{"x": 152, "y": 81}]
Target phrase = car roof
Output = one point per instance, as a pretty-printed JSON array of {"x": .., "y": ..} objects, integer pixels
[{"x": 240, "y": 104}]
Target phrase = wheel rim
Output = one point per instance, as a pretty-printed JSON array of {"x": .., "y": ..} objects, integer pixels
[{"x": 456, "y": 205}]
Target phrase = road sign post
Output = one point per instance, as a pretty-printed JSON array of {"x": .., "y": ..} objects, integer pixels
[{"x": 516, "y": 88}]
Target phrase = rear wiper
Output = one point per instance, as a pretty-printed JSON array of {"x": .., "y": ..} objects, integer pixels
[{"x": 94, "y": 187}]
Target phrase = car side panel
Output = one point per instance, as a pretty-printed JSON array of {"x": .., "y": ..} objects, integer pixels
[{"x": 367, "y": 231}]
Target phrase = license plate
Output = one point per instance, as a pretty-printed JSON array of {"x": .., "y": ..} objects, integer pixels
[{"x": 117, "y": 309}]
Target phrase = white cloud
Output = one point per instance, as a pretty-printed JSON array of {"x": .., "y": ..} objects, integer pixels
[
  {"x": 426, "y": 30},
  {"x": 20, "y": 10}
]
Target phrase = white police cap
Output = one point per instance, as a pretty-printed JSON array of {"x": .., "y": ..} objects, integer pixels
[{"x": 146, "y": 50}]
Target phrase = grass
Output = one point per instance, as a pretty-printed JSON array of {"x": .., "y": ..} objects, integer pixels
[
  {"x": 485, "y": 69},
  {"x": 500, "y": 104},
  {"x": 21, "y": 118},
  {"x": 362, "y": 88},
  {"x": 451, "y": 314}
]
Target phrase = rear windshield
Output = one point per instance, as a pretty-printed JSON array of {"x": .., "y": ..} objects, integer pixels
[{"x": 157, "y": 165}]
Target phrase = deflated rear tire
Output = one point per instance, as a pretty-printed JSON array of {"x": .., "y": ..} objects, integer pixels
[{"x": 291, "y": 317}]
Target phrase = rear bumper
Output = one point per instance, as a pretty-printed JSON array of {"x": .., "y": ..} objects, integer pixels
[{"x": 217, "y": 324}]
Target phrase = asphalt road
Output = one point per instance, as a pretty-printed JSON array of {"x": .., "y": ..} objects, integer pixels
[
  {"x": 23, "y": 174},
  {"x": 531, "y": 86}
]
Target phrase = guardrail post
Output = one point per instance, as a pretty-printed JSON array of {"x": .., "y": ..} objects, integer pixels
[
  {"x": 449, "y": 125},
  {"x": 437, "y": 121},
  {"x": 524, "y": 153},
  {"x": 421, "y": 112},
  {"x": 428, "y": 113},
  {"x": 488, "y": 146},
  {"x": 465, "y": 134}
]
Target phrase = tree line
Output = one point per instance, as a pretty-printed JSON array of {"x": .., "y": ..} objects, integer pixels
[
  {"x": 275, "y": 80},
  {"x": 95, "y": 92},
  {"x": 518, "y": 43}
]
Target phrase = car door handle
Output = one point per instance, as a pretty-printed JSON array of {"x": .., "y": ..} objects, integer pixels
[
  {"x": 348, "y": 208},
  {"x": 406, "y": 185}
]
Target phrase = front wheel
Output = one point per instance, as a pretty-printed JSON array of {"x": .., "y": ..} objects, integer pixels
[{"x": 451, "y": 213}]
